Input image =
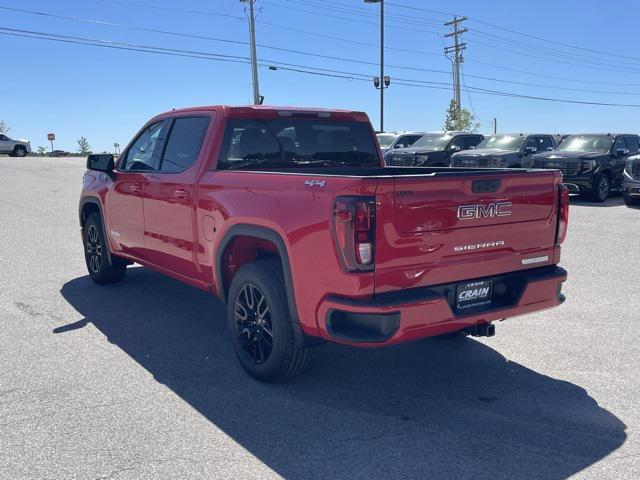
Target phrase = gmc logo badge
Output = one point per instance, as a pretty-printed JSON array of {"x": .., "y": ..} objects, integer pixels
[{"x": 497, "y": 209}]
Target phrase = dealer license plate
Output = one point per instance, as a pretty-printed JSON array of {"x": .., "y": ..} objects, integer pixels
[{"x": 473, "y": 294}]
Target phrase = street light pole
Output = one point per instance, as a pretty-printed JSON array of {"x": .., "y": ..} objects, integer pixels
[{"x": 383, "y": 82}]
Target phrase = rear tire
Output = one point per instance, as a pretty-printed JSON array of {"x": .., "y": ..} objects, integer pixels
[
  {"x": 96, "y": 253},
  {"x": 260, "y": 323},
  {"x": 601, "y": 188}
]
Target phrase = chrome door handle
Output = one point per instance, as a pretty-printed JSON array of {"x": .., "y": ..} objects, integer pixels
[
  {"x": 135, "y": 188},
  {"x": 180, "y": 193}
]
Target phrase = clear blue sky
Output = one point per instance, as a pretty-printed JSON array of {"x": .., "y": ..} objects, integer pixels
[{"x": 106, "y": 95}]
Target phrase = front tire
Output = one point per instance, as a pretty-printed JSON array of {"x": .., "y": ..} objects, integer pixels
[
  {"x": 96, "y": 253},
  {"x": 260, "y": 323},
  {"x": 19, "y": 151},
  {"x": 631, "y": 202},
  {"x": 601, "y": 188}
]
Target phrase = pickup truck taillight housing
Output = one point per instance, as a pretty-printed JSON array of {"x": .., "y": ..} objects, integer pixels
[
  {"x": 563, "y": 214},
  {"x": 354, "y": 231}
]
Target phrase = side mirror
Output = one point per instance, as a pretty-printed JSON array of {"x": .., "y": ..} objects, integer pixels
[
  {"x": 621, "y": 152},
  {"x": 398, "y": 145},
  {"x": 102, "y": 162},
  {"x": 530, "y": 150},
  {"x": 472, "y": 147},
  {"x": 549, "y": 149},
  {"x": 455, "y": 148}
]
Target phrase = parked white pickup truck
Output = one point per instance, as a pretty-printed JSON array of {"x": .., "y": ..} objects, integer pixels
[{"x": 15, "y": 148}]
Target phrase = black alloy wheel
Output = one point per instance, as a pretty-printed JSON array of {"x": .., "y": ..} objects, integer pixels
[{"x": 253, "y": 320}]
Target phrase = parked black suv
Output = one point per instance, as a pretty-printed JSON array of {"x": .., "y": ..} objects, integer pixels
[
  {"x": 432, "y": 150},
  {"x": 504, "y": 150},
  {"x": 631, "y": 181},
  {"x": 592, "y": 164}
]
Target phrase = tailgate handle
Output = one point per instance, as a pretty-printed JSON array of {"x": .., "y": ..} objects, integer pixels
[{"x": 485, "y": 186}]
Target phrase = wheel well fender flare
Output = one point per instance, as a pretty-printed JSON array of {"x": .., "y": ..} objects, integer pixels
[
  {"x": 263, "y": 233},
  {"x": 96, "y": 202}
]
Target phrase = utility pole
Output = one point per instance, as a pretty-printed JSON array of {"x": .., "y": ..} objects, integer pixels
[
  {"x": 457, "y": 48},
  {"x": 495, "y": 126},
  {"x": 257, "y": 99}
]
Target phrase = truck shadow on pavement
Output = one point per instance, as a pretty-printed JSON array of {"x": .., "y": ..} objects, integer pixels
[{"x": 432, "y": 409}]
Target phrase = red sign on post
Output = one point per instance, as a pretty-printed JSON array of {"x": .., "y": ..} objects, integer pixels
[{"x": 51, "y": 136}]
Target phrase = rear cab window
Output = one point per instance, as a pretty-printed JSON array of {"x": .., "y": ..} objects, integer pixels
[{"x": 296, "y": 142}]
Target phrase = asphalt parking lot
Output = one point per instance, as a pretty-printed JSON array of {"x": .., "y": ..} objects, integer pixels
[{"x": 138, "y": 380}]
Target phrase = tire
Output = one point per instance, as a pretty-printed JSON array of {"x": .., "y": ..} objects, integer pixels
[
  {"x": 96, "y": 253},
  {"x": 631, "y": 202},
  {"x": 601, "y": 188},
  {"x": 19, "y": 151},
  {"x": 260, "y": 323}
]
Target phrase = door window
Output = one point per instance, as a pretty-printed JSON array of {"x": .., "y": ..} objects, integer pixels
[
  {"x": 633, "y": 145},
  {"x": 619, "y": 145},
  {"x": 471, "y": 141},
  {"x": 141, "y": 154},
  {"x": 544, "y": 144},
  {"x": 183, "y": 145},
  {"x": 459, "y": 142},
  {"x": 408, "y": 140},
  {"x": 532, "y": 142}
]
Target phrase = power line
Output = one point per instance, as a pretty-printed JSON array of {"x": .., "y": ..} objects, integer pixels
[
  {"x": 288, "y": 7},
  {"x": 546, "y": 59},
  {"x": 552, "y": 77},
  {"x": 330, "y": 57},
  {"x": 520, "y": 33},
  {"x": 554, "y": 42},
  {"x": 279, "y": 65},
  {"x": 351, "y": 10},
  {"x": 271, "y": 24},
  {"x": 207, "y": 37},
  {"x": 548, "y": 52}
]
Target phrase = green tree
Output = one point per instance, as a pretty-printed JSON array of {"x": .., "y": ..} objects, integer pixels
[
  {"x": 4, "y": 127},
  {"x": 83, "y": 146},
  {"x": 42, "y": 151},
  {"x": 466, "y": 122}
]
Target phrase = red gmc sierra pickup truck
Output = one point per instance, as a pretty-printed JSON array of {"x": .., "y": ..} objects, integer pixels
[{"x": 289, "y": 216}]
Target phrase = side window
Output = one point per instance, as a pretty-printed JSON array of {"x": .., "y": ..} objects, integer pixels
[
  {"x": 183, "y": 144},
  {"x": 458, "y": 142},
  {"x": 140, "y": 156},
  {"x": 471, "y": 141},
  {"x": 409, "y": 140},
  {"x": 619, "y": 145},
  {"x": 633, "y": 145},
  {"x": 532, "y": 142},
  {"x": 544, "y": 144}
]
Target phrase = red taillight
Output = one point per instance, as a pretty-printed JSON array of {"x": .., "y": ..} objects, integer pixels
[
  {"x": 563, "y": 214},
  {"x": 353, "y": 224}
]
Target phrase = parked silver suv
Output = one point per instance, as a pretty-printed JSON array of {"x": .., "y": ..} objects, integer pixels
[{"x": 15, "y": 148}]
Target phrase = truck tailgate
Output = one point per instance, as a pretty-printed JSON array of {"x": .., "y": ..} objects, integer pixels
[{"x": 432, "y": 230}]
